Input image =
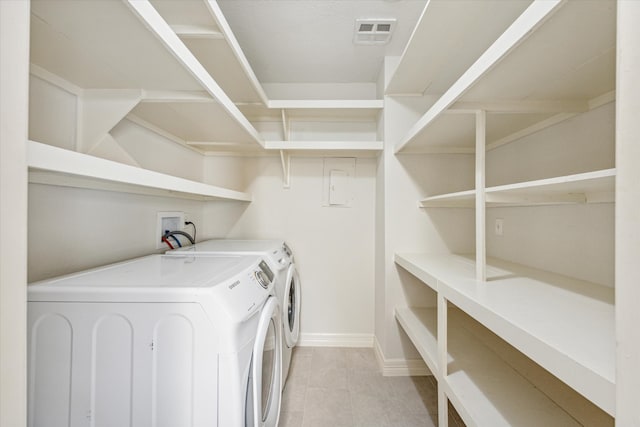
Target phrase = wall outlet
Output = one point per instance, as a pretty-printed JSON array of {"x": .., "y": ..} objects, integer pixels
[
  {"x": 499, "y": 226},
  {"x": 171, "y": 221}
]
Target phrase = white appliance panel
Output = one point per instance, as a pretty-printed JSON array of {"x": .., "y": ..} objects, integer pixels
[
  {"x": 131, "y": 364},
  {"x": 50, "y": 389},
  {"x": 112, "y": 364}
]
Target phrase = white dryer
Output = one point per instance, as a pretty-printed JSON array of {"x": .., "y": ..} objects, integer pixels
[
  {"x": 160, "y": 340},
  {"x": 288, "y": 286}
]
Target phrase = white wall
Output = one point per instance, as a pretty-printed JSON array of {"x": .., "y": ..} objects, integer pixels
[
  {"x": 74, "y": 229},
  {"x": 14, "y": 66},
  {"x": 333, "y": 246}
]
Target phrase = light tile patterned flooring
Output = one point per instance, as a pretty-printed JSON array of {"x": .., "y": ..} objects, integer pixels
[{"x": 342, "y": 387}]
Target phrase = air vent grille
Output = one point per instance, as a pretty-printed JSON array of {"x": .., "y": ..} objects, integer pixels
[{"x": 373, "y": 31}]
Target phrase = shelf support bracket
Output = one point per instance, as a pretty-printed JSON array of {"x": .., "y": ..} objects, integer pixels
[
  {"x": 285, "y": 126},
  {"x": 99, "y": 111},
  {"x": 285, "y": 160}
]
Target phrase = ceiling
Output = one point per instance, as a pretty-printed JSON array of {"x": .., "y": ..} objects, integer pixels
[{"x": 311, "y": 41}]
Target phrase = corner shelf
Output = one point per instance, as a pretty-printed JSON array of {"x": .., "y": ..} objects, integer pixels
[
  {"x": 563, "y": 324},
  {"x": 588, "y": 187},
  {"x": 56, "y": 166},
  {"x": 482, "y": 386},
  {"x": 501, "y": 80}
]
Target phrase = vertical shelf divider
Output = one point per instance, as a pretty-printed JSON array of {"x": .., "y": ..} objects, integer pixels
[
  {"x": 481, "y": 255},
  {"x": 443, "y": 361}
]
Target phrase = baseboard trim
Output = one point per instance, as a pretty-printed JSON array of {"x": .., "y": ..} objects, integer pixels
[
  {"x": 399, "y": 367},
  {"x": 335, "y": 340}
]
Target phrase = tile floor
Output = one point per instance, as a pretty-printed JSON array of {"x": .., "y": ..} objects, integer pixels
[{"x": 342, "y": 387}]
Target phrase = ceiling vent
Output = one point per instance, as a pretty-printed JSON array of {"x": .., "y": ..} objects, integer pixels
[{"x": 373, "y": 31}]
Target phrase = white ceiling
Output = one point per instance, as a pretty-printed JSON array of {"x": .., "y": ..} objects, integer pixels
[{"x": 311, "y": 41}]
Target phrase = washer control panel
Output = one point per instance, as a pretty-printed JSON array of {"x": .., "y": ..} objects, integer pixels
[{"x": 264, "y": 275}]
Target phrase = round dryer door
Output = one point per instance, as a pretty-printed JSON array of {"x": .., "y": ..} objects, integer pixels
[
  {"x": 263, "y": 388},
  {"x": 292, "y": 300}
]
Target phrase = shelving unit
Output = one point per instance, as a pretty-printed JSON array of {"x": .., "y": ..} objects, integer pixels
[
  {"x": 56, "y": 166},
  {"x": 502, "y": 81},
  {"x": 204, "y": 30},
  {"x": 468, "y": 34},
  {"x": 589, "y": 187},
  {"x": 328, "y": 114},
  {"x": 191, "y": 83},
  {"x": 480, "y": 384},
  {"x": 157, "y": 80},
  {"x": 536, "y": 67},
  {"x": 565, "y": 325}
]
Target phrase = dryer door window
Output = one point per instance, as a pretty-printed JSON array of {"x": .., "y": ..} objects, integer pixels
[{"x": 266, "y": 369}]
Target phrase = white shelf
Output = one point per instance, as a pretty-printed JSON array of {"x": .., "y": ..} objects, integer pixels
[
  {"x": 460, "y": 199},
  {"x": 57, "y": 166},
  {"x": 326, "y": 110},
  {"x": 557, "y": 59},
  {"x": 485, "y": 390},
  {"x": 565, "y": 325},
  {"x": 589, "y": 187},
  {"x": 443, "y": 29},
  {"x": 421, "y": 325},
  {"x": 374, "y": 146}
]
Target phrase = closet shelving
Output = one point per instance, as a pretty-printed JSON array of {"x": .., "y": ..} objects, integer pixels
[
  {"x": 588, "y": 187},
  {"x": 123, "y": 61},
  {"x": 442, "y": 29},
  {"x": 204, "y": 30},
  {"x": 564, "y": 324},
  {"x": 289, "y": 113},
  {"x": 185, "y": 77},
  {"x": 56, "y": 166},
  {"x": 552, "y": 62},
  {"x": 144, "y": 61},
  {"x": 531, "y": 77},
  {"x": 480, "y": 385}
]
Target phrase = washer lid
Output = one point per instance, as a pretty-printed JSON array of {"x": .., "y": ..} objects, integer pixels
[{"x": 224, "y": 281}]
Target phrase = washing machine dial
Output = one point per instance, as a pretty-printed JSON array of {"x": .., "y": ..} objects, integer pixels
[{"x": 262, "y": 278}]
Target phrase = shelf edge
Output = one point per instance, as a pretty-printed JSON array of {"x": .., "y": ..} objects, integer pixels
[{"x": 43, "y": 157}]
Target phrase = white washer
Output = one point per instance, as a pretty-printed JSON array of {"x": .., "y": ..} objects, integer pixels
[
  {"x": 288, "y": 287},
  {"x": 160, "y": 340}
]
